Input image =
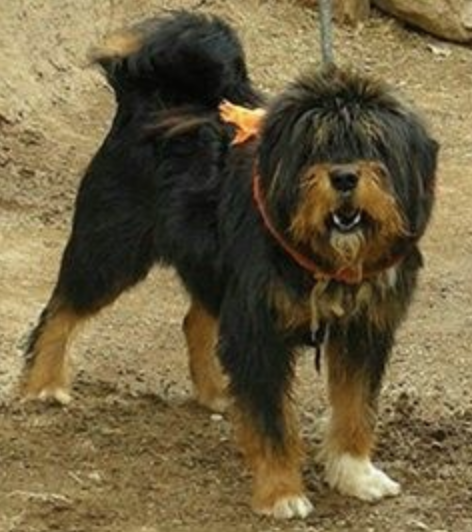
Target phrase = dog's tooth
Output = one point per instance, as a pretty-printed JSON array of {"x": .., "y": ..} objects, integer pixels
[{"x": 346, "y": 226}]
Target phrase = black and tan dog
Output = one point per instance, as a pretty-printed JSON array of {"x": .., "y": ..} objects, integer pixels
[{"x": 312, "y": 225}]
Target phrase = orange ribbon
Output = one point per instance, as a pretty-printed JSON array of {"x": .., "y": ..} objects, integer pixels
[{"x": 247, "y": 121}]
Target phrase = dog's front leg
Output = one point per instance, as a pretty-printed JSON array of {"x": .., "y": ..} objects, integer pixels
[
  {"x": 260, "y": 372},
  {"x": 274, "y": 461},
  {"x": 356, "y": 356}
]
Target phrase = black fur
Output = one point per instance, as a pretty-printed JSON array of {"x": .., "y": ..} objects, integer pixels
[
  {"x": 167, "y": 186},
  {"x": 184, "y": 59}
]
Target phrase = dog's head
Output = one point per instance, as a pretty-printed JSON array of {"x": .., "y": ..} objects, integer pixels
[{"x": 347, "y": 171}]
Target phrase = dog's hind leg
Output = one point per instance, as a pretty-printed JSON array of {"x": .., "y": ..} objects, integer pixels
[
  {"x": 201, "y": 330},
  {"x": 356, "y": 359},
  {"x": 46, "y": 370},
  {"x": 101, "y": 260}
]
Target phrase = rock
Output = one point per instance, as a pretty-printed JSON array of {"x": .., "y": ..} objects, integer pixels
[
  {"x": 351, "y": 12},
  {"x": 448, "y": 19}
]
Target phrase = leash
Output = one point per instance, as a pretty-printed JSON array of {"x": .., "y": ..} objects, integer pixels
[{"x": 326, "y": 31}]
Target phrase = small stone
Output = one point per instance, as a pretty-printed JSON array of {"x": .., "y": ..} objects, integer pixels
[
  {"x": 419, "y": 525},
  {"x": 95, "y": 476}
]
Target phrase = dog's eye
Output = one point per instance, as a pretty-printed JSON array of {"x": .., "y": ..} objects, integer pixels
[
  {"x": 384, "y": 170},
  {"x": 381, "y": 170}
]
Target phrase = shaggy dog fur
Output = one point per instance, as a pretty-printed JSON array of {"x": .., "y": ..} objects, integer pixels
[{"x": 305, "y": 233}]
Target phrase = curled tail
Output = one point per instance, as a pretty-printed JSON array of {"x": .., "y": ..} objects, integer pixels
[{"x": 185, "y": 58}]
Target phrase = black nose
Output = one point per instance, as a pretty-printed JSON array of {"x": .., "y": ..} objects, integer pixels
[{"x": 343, "y": 179}]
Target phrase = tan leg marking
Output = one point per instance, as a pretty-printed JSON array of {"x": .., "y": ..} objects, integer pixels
[
  {"x": 278, "y": 489},
  {"x": 201, "y": 330},
  {"x": 350, "y": 437},
  {"x": 46, "y": 374},
  {"x": 351, "y": 428}
]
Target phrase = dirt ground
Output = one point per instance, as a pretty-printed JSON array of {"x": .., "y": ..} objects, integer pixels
[{"x": 133, "y": 453}]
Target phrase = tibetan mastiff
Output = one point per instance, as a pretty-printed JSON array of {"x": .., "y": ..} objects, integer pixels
[{"x": 304, "y": 232}]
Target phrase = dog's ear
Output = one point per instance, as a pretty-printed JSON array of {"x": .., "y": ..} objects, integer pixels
[
  {"x": 424, "y": 154},
  {"x": 427, "y": 168},
  {"x": 278, "y": 145},
  {"x": 411, "y": 154},
  {"x": 284, "y": 149},
  {"x": 427, "y": 162}
]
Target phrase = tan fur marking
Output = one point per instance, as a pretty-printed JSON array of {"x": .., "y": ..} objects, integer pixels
[
  {"x": 173, "y": 126},
  {"x": 276, "y": 472},
  {"x": 351, "y": 429},
  {"x": 290, "y": 314},
  {"x": 274, "y": 480},
  {"x": 200, "y": 330},
  {"x": 318, "y": 200},
  {"x": 378, "y": 202},
  {"x": 49, "y": 370},
  {"x": 117, "y": 45}
]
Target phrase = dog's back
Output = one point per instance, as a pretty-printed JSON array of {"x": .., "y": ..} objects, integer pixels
[{"x": 183, "y": 58}]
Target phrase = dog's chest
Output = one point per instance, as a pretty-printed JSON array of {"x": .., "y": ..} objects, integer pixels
[{"x": 331, "y": 301}]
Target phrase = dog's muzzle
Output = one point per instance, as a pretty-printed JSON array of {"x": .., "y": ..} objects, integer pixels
[{"x": 344, "y": 180}]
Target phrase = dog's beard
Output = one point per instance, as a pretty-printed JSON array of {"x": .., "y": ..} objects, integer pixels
[{"x": 348, "y": 247}]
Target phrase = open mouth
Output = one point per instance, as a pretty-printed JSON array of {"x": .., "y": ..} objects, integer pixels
[{"x": 346, "y": 222}]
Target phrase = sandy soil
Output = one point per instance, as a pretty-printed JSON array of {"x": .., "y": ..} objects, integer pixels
[{"x": 133, "y": 452}]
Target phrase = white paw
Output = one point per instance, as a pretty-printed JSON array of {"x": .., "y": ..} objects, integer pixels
[
  {"x": 358, "y": 477},
  {"x": 295, "y": 506},
  {"x": 57, "y": 395}
]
